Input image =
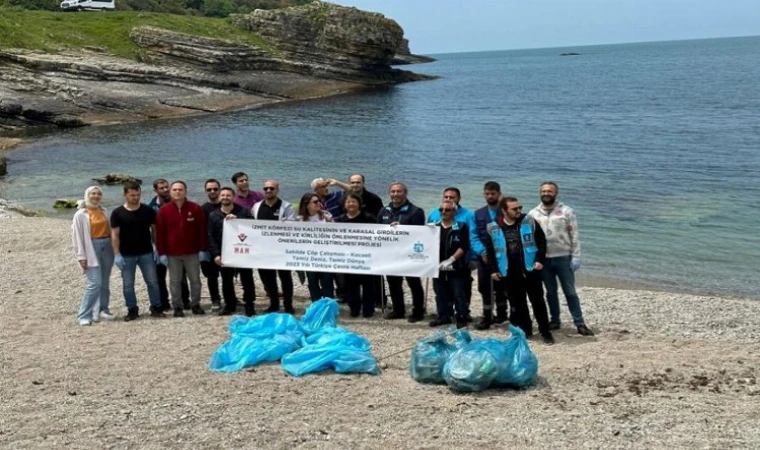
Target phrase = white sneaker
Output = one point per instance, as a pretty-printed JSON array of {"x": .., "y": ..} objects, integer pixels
[
  {"x": 84, "y": 322},
  {"x": 107, "y": 316}
]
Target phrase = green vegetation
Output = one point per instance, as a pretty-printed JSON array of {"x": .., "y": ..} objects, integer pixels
[
  {"x": 211, "y": 8},
  {"x": 50, "y": 31}
]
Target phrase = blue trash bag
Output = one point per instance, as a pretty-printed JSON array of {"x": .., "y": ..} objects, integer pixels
[
  {"x": 264, "y": 326},
  {"x": 243, "y": 351},
  {"x": 474, "y": 367},
  {"x": 320, "y": 314},
  {"x": 337, "y": 336},
  {"x": 523, "y": 364},
  {"x": 461, "y": 337},
  {"x": 429, "y": 356},
  {"x": 317, "y": 358}
]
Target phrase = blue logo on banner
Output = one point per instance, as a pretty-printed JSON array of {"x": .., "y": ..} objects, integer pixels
[{"x": 419, "y": 247}]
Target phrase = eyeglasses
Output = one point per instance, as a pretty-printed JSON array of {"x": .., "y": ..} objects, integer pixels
[
  {"x": 212, "y": 189},
  {"x": 516, "y": 208},
  {"x": 268, "y": 188},
  {"x": 314, "y": 201},
  {"x": 445, "y": 209}
]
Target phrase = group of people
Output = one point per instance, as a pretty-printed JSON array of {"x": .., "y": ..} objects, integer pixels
[{"x": 515, "y": 254}]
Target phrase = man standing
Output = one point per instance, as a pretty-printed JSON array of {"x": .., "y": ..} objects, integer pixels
[
  {"x": 526, "y": 250},
  {"x": 132, "y": 227},
  {"x": 563, "y": 254},
  {"x": 229, "y": 210},
  {"x": 466, "y": 216},
  {"x": 274, "y": 208},
  {"x": 329, "y": 201},
  {"x": 371, "y": 203},
  {"x": 244, "y": 196},
  {"x": 400, "y": 211},
  {"x": 489, "y": 288},
  {"x": 161, "y": 189},
  {"x": 209, "y": 269},
  {"x": 181, "y": 241}
]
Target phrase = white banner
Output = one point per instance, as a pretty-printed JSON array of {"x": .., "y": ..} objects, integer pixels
[{"x": 403, "y": 250}]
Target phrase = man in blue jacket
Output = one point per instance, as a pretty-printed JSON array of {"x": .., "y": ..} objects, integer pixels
[
  {"x": 466, "y": 216},
  {"x": 400, "y": 211},
  {"x": 488, "y": 288}
]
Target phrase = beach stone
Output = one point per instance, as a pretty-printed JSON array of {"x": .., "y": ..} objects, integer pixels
[
  {"x": 117, "y": 178},
  {"x": 3, "y": 166}
]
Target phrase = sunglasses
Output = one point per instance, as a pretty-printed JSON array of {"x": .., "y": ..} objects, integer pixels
[
  {"x": 212, "y": 189},
  {"x": 268, "y": 188},
  {"x": 314, "y": 201},
  {"x": 516, "y": 208},
  {"x": 445, "y": 209}
]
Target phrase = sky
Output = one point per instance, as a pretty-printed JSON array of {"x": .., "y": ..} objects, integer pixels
[{"x": 448, "y": 26}]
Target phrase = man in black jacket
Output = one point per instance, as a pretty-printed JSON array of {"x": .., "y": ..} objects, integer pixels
[
  {"x": 526, "y": 251},
  {"x": 229, "y": 210},
  {"x": 400, "y": 211}
]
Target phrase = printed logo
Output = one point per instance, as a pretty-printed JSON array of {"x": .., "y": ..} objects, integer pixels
[
  {"x": 419, "y": 247},
  {"x": 242, "y": 237}
]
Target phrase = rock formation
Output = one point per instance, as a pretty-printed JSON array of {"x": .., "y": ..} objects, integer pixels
[
  {"x": 405, "y": 56},
  {"x": 310, "y": 51}
]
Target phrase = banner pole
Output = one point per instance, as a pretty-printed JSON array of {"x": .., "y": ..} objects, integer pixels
[{"x": 427, "y": 285}]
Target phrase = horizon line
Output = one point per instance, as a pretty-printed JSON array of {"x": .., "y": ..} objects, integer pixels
[{"x": 586, "y": 45}]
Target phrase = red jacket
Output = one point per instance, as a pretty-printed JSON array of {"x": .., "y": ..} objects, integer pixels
[{"x": 181, "y": 231}]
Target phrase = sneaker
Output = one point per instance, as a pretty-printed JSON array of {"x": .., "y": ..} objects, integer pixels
[
  {"x": 215, "y": 305},
  {"x": 178, "y": 312},
  {"x": 84, "y": 322},
  {"x": 414, "y": 318},
  {"x": 198, "y": 311},
  {"x": 107, "y": 315},
  {"x": 583, "y": 330},
  {"x": 437, "y": 322},
  {"x": 132, "y": 314},
  {"x": 547, "y": 338},
  {"x": 157, "y": 313},
  {"x": 394, "y": 315},
  {"x": 250, "y": 311},
  {"x": 95, "y": 317},
  {"x": 554, "y": 326}
]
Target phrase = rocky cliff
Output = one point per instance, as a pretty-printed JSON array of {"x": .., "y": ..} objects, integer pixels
[
  {"x": 405, "y": 56},
  {"x": 311, "y": 51}
]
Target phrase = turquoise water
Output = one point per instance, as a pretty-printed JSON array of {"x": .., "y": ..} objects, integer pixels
[{"x": 656, "y": 146}]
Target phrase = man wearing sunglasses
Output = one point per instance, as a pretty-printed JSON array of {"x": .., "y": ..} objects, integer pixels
[
  {"x": 275, "y": 208},
  {"x": 208, "y": 268},
  {"x": 526, "y": 251}
]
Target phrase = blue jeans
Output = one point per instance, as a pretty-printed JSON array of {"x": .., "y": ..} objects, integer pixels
[
  {"x": 97, "y": 291},
  {"x": 559, "y": 267},
  {"x": 148, "y": 269},
  {"x": 450, "y": 291}
]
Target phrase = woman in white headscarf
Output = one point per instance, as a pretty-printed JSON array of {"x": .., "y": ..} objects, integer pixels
[{"x": 91, "y": 238}]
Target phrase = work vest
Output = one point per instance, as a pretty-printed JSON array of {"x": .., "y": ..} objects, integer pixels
[{"x": 527, "y": 241}]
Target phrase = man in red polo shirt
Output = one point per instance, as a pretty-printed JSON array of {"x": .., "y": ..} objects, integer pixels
[{"x": 181, "y": 241}]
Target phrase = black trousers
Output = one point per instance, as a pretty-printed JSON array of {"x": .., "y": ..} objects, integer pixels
[
  {"x": 484, "y": 287},
  {"x": 228, "y": 286},
  {"x": 360, "y": 293},
  {"x": 211, "y": 271},
  {"x": 269, "y": 279},
  {"x": 395, "y": 285},
  {"x": 518, "y": 286},
  {"x": 162, "y": 271}
]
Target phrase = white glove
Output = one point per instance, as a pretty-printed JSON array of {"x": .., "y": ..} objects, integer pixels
[
  {"x": 447, "y": 265},
  {"x": 575, "y": 264}
]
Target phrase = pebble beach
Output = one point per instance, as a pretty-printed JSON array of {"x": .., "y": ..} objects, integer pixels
[{"x": 665, "y": 370}]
